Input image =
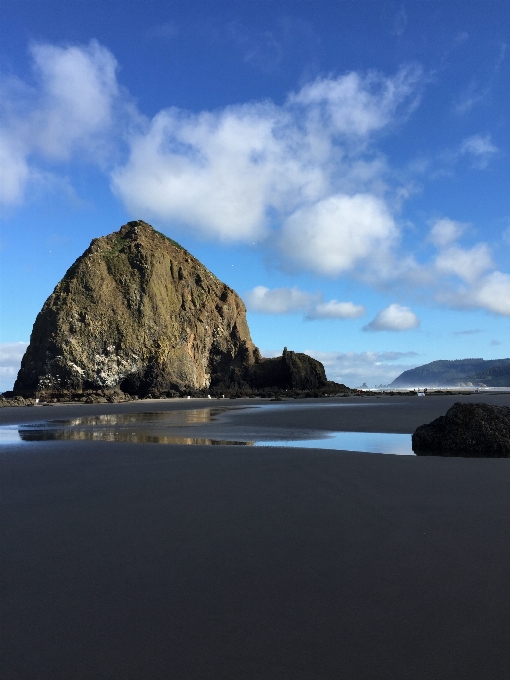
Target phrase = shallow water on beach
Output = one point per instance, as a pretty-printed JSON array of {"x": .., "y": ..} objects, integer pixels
[
  {"x": 371, "y": 442},
  {"x": 155, "y": 428}
]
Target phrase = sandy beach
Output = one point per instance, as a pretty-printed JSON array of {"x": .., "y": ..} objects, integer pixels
[{"x": 128, "y": 561}]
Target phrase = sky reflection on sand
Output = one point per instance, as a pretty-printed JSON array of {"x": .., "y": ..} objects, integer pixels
[{"x": 153, "y": 428}]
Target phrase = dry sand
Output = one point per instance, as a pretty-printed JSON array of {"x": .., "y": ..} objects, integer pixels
[{"x": 130, "y": 561}]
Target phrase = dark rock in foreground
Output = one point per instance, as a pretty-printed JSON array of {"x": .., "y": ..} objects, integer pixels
[{"x": 470, "y": 430}]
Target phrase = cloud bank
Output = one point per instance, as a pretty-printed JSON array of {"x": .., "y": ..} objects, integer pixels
[
  {"x": 305, "y": 176},
  {"x": 228, "y": 174},
  {"x": 355, "y": 368}
]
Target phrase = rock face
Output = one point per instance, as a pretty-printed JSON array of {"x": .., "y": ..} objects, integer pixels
[
  {"x": 137, "y": 312},
  {"x": 471, "y": 430}
]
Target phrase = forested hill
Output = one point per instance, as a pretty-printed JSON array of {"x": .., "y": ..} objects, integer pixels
[{"x": 445, "y": 373}]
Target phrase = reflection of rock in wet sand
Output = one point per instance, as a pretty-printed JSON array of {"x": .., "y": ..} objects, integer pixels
[
  {"x": 172, "y": 418},
  {"x": 128, "y": 427},
  {"x": 106, "y": 435}
]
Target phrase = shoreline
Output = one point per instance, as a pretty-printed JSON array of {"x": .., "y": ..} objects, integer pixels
[
  {"x": 182, "y": 562},
  {"x": 397, "y": 414}
]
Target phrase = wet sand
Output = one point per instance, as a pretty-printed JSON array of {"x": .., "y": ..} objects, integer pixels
[{"x": 153, "y": 561}]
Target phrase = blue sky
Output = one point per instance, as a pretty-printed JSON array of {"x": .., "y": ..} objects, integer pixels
[{"x": 344, "y": 166}]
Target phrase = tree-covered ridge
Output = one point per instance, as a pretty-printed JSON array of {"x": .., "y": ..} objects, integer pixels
[{"x": 492, "y": 372}]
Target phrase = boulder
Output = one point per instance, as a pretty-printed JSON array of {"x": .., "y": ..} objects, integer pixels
[{"x": 470, "y": 430}]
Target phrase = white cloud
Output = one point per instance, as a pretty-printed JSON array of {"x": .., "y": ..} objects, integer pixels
[
  {"x": 288, "y": 300},
  {"x": 304, "y": 173},
  {"x": 355, "y": 368},
  {"x": 78, "y": 87},
  {"x": 466, "y": 264},
  {"x": 233, "y": 174},
  {"x": 357, "y": 105},
  {"x": 477, "y": 288},
  {"x": 225, "y": 173},
  {"x": 480, "y": 148},
  {"x": 492, "y": 292},
  {"x": 11, "y": 354},
  {"x": 278, "y": 300},
  {"x": 393, "y": 318},
  {"x": 334, "y": 235},
  {"x": 445, "y": 231},
  {"x": 219, "y": 173},
  {"x": 336, "y": 310},
  {"x": 14, "y": 171},
  {"x": 71, "y": 107}
]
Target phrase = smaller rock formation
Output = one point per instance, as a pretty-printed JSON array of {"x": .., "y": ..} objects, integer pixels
[
  {"x": 291, "y": 371},
  {"x": 470, "y": 430}
]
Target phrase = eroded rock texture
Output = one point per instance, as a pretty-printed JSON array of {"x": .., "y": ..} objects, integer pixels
[
  {"x": 138, "y": 312},
  {"x": 471, "y": 430}
]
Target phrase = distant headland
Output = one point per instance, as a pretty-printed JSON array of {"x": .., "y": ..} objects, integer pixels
[{"x": 457, "y": 373}]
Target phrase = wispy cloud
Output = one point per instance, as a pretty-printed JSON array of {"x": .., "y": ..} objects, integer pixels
[
  {"x": 71, "y": 109},
  {"x": 478, "y": 91},
  {"x": 506, "y": 236},
  {"x": 445, "y": 231},
  {"x": 480, "y": 148},
  {"x": 400, "y": 21}
]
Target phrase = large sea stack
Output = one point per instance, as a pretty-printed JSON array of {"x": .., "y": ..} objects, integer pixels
[{"x": 138, "y": 313}]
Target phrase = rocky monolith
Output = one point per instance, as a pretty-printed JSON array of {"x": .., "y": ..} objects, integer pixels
[{"x": 137, "y": 314}]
